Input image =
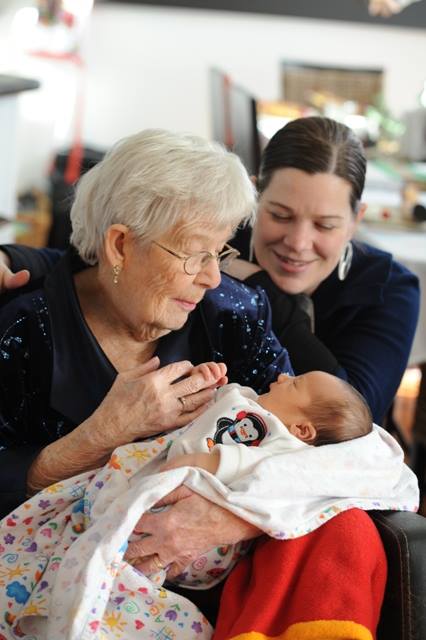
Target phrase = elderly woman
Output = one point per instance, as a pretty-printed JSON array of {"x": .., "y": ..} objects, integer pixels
[
  {"x": 80, "y": 376},
  {"x": 81, "y": 354}
]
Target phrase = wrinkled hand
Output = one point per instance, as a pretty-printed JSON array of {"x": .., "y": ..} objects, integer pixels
[
  {"x": 146, "y": 401},
  {"x": 9, "y": 280},
  {"x": 141, "y": 403},
  {"x": 183, "y": 532}
]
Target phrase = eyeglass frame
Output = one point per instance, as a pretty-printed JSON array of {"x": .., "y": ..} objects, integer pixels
[{"x": 218, "y": 256}]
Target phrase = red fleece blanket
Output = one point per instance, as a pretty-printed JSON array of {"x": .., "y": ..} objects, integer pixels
[{"x": 326, "y": 585}]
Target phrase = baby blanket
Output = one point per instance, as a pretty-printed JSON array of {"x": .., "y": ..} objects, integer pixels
[{"x": 62, "y": 573}]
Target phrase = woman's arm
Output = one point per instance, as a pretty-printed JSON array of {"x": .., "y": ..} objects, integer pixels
[
  {"x": 290, "y": 321},
  {"x": 27, "y": 460},
  {"x": 387, "y": 8},
  {"x": 374, "y": 346},
  {"x": 239, "y": 325},
  {"x": 38, "y": 262},
  {"x": 141, "y": 403},
  {"x": 20, "y": 418},
  {"x": 293, "y": 327}
]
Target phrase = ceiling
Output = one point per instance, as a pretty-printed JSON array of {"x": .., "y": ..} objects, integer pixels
[{"x": 352, "y": 10}]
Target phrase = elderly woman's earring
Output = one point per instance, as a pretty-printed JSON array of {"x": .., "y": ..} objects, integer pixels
[
  {"x": 345, "y": 261},
  {"x": 116, "y": 272}
]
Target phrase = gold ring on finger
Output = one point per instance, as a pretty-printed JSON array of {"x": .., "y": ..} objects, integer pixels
[{"x": 160, "y": 566}]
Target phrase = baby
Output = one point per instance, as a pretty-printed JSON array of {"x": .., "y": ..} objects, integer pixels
[
  {"x": 311, "y": 409},
  {"x": 316, "y": 407}
]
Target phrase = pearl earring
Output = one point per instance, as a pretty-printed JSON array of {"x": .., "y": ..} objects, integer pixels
[{"x": 116, "y": 272}]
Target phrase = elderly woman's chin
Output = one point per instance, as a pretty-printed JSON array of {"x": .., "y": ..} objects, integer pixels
[
  {"x": 172, "y": 318},
  {"x": 177, "y": 319}
]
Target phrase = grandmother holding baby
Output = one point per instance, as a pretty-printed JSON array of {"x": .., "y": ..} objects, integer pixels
[{"x": 99, "y": 352}]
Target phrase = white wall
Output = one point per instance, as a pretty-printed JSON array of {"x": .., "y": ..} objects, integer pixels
[{"x": 147, "y": 66}]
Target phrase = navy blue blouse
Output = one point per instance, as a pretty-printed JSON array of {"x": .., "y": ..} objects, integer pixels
[{"x": 53, "y": 373}]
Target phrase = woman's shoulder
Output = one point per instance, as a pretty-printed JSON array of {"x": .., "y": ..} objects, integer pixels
[
  {"x": 234, "y": 295},
  {"x": 375, "y": 279},
  {"x": 369, "y": 261},
  {"x": 373, "y": 276}
]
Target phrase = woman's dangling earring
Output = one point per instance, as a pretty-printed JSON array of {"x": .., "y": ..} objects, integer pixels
[
  {"x": 115, "y": 273},
  {"x": 251, "y": 250},
  {"x": 345, "y": 261}
]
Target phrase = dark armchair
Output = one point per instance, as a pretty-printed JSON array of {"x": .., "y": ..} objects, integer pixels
[{"x": 404, "y": 609}]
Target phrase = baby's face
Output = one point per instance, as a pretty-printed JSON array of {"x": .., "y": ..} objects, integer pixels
[{"x": 289, "y": 397}]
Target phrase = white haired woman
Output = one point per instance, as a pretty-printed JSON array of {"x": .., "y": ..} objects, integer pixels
[{"x": 80, "y": 356}]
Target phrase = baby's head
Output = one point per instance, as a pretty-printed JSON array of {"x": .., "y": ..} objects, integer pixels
[{"x": 318, "y": 408}]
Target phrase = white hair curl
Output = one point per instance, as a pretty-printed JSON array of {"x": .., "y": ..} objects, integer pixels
[{"x": 152, "y": 180}]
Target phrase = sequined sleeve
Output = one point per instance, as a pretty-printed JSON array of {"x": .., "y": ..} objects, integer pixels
[
  {"x": 25, "y": 370},
  {"x": 244, "y": 337},
  {"x": 261, "y": 358}
]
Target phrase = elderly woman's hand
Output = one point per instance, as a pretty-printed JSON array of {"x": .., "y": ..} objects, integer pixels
[
  {"x": 146, "y": 400},
  {"x": 142, "y": 402},
  {"x": 180, "y": 534}
]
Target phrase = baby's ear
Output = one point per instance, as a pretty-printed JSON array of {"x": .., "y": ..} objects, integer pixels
[{"x": 305, "y": 431}]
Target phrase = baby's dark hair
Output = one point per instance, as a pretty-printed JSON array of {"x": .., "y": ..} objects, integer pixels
[{"x": 347, "y": 418}]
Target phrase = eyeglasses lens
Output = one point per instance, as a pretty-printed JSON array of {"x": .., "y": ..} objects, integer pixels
[{"x": 195, "y": 264}]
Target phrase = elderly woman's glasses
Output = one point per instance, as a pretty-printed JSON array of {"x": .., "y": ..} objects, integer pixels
[{"x": 196, "y": 262}]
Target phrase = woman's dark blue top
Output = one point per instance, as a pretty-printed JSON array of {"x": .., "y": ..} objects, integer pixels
[{"x": 53, "y": 373}]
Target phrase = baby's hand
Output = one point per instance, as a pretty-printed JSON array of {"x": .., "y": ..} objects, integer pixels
[
  {"x": 207, "y": 461},
  {"x": 213, "y": 372}
]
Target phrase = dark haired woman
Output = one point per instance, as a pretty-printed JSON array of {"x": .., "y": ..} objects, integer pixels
[{"x": 351, "y": 309}]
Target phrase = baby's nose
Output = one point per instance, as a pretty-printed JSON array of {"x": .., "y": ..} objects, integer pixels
[{"x": 282, "y": 377}]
